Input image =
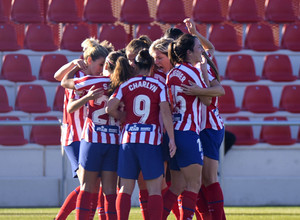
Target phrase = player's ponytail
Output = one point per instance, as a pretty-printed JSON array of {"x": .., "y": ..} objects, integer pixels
[
  {"x": 123, "y": 71},
  {"x": 212, "y": 65},
  {"x": 172, "y": 54}
]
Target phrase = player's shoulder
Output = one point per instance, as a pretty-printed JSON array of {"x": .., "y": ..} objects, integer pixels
[
  {"x": 97, "y": 78},
  {"x": 155, "y": 80}
]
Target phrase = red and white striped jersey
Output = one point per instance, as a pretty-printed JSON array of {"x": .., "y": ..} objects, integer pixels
[
  {"x": 186, "y": 109},
  {"x": 161, "y": 76},
  {"x": 99, "y": 127},
  {"x": 141, "y": 96},
  {"x": 211, "y": 116},
  {"x": 72, "y": 122}
]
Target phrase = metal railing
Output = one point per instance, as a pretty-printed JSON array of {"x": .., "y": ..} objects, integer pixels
[{"x": 221, "y": 159}]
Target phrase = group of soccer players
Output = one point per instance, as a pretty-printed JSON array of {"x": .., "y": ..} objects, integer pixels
[{"x": 137, "y": 114}]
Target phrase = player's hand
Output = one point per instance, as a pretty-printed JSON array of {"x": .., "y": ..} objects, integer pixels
[
  {"x": 122, "y": 117},
  {"x": 122, "y": 106},
  {"x": 190, "y": 24},
  {"x": 203, "y": 63},
  {"x": 192, "y": 89},
  {"x": 80, "y": 63},
  {"x": 172, "y": 147},
  {"x": 93, "y": 93}
]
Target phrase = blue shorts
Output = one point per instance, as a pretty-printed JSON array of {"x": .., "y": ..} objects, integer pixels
[
  {"x": 134, "y": 158},
  {"x": 72, "y": 152},
  {"x": 211, "y": 142},
  {"x": 189, "y": 150},
  {"x": 98, "y": 157},
  {"x": 165, "y": 147}
]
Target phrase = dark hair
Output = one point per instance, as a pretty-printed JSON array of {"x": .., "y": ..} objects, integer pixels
[
  {"x": 212, "y": 65},
  {"x": 144, "y": 60},
  {"x": 173, "y": 33},
  {"x": 177, "y": 51},
  {"x": 122, "y": 72},
  {"x": 112, "y": 59},
  {"x": 138, "y": 44}
]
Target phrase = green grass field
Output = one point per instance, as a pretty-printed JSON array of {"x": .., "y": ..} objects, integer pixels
[{"x": 232, "y": 213}]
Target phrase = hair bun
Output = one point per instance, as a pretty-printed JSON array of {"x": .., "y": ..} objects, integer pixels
[{"x": 143, "y": 56}]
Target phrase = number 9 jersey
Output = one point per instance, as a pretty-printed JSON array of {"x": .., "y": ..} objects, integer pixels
[
  {"x": 99, "y": 127},
  {"x": 141, "y": 96}
]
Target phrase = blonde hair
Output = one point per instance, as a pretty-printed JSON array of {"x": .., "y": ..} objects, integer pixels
[
  {"x": 161, "y": 45},
  {"x": 108, "y": 45},
  {"x": 92, "y": 48}
]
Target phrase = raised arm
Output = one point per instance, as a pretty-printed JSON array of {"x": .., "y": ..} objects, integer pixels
[
  {"x": 93, "y": 94},
  {"x": 68, "y": 79},
  {"x": 207, "y": 45},
  {"x": 59, "y": 74}
]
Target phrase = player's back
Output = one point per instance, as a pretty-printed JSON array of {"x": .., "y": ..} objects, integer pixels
[
  {"x": 186, "y": 108},
  {"x": 142, "y": 96}
]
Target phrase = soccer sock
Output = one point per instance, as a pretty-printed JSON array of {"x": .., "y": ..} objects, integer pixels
[
  {"x": 155, "y": 207},
  {"x": 202, "y": 211},
  {"x": 163, "y": 192},
  {"x": 110, "y": 207},
  {"x": 69, "y": 205},
  {"x": 123, "y": 205},
  {"x": 83, "y": 205},
  {"x": 177, "y": 207},
  {"x": 93, "y": 206},
  {"x": 143, "y": 198},
  {"x": 168, "y": 201},
  {"x": 188, "y": 204},
  {"x": 100, "y": 205},
  {"x": 223, "y": 215},
  {"x": 198, "y": 216},
  {"x": 215, "y": 199}
]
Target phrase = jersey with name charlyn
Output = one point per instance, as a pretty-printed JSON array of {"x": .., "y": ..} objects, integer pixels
[{"x": 142, "y": 96}]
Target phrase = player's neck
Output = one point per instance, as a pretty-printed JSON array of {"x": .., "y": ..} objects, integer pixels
[{"x": 143, "y": 73}]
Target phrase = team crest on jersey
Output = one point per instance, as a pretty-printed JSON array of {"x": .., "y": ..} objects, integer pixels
[{"x": 216, "y": 111}]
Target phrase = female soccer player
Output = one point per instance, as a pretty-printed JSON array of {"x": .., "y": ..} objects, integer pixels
[
  {"x": 186, "y": 166},
  {"x": 144, "y": 98},
  {"x": 159, "y": 51},
  {"x": 210, "y": 203},
  {"x": 99, "y": 146},
  {"x": 131, "y": 50},
  {"x": 74, "y": 113}
]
